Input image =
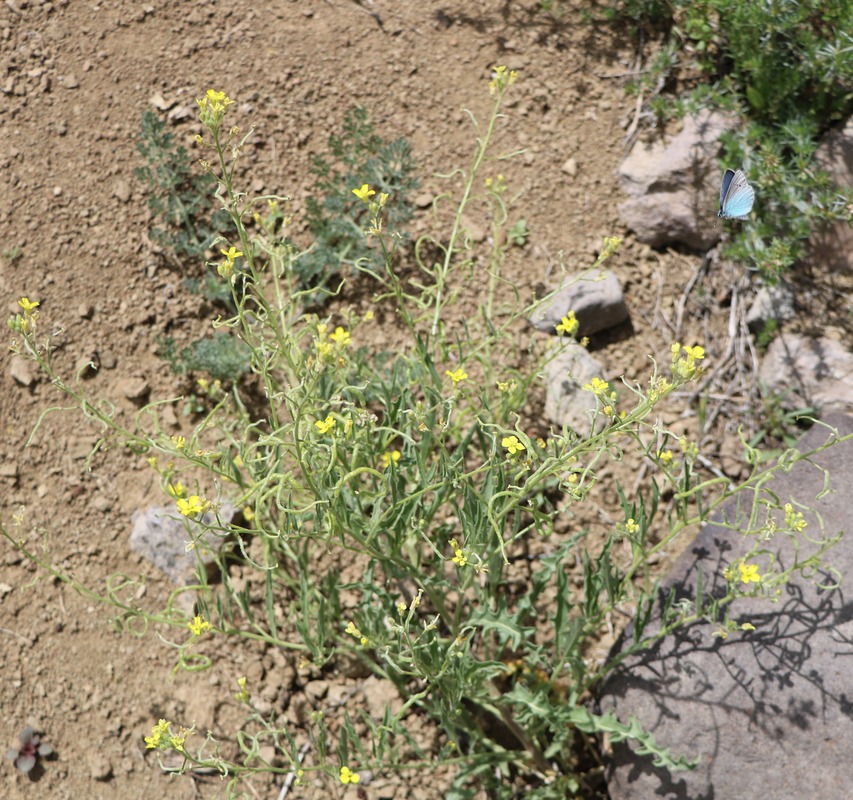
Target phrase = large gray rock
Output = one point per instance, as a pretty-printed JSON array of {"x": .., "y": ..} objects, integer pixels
[
  {"x": 674, "y": 185},
  {"x": 768, "y": 712},
  {"x": 807, "y": 371}
]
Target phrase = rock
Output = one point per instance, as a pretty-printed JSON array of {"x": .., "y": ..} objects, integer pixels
[
  {"x": 21, "y": 370},
  {"x": 99, "y": 766},
  {"x": 807, "y": 371},
  {"x": 135, "y": 389},
  {"x": 570, "y": 167},
  {"x": 594, "y": 295},
  {"x": 121, "y": 190},
  {"x": 674, "y": 198},
  {"x": 832, "y": 245},
  {"x": 566, "y": 403},
  {"x": 771, "y": 303},
  {"x": 771, "y": 704},
  {"x": 159, "y": 535}
]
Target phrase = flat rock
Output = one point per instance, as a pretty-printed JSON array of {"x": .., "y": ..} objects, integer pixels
[
  {"x": 767, "y": 711},
  {"x": 809, "y": 371}
]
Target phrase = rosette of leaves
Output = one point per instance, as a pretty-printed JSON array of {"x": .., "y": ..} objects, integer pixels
[
  {"x": 26, "y": 755},
  {"x": 336, "y": 217}
]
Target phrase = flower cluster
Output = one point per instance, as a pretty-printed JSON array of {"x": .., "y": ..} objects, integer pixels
[
  {"x": 226, "y": 268},
  {"x": 162, "y": 738},
  {"x": 364, "y": 194},
  {"x": 684, "y": 361},
  {"x": 331, "y": 345},
  {"x": 501, "y": 80},
  {"x": 24, "y": 323},
  {"x": 353, "y": 631},
  {"x": 213, "y": 106},
  {"x": 601, "y": 389}
]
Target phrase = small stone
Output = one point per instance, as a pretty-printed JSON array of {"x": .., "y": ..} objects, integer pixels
[
  {"x": 134, "y": 388},
  {"x": 99, "y": 766},
  {"x": 121, "y": 190},
  {"x": 70, "y": 81},
  {"x": 570, "y": 167},
  {"x": 21, "y": 370}
]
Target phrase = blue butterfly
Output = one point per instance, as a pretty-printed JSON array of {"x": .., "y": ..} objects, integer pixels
[{"x": 736, "y": 196}]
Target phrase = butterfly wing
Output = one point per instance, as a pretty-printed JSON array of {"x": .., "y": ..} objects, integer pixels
[
  {"x": 736, "y": 196},
  {"x": 724, "y": 187}
]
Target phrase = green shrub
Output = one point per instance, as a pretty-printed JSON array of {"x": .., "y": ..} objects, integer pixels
[
  {"x": 786, "y": 66},
  {"x": 387, "y": 502}
]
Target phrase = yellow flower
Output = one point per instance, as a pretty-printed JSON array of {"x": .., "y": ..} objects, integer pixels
[
  {"x": 177, "y": 490},
  {"x": 512, "y": 444},
  {"x": 364, "y": 194},
  {"x": 684, "y": 360},
  {"x": 324, "y": 426},
  {"x": 356, "y": 633},
  {"x": 157, "y": 732},
  {"x": 631, "y": 526},
  {"x": 749, "y": 572},
  {"x": 325, "y": 350},
  {"x": 747, "y": 626},
  {"x": 348, "y": 776},
  {"x": 248, "y": 513},
  {"x": 794, "y": 519},
  {"x": 243, "y": 695},
  {"x": 232, "y": 253},
  {"x": 179, "y": 441},
  {"x": 390, "y": 456},
  {"x": 340, "y": 337},
  {"x": 665, "y": 457},
  {"x": 193, "y": 506},
  {"x": 368, "y": 316},
  {"x": 501, "y": 79},
  {"x": 27, "y": 306},
  {"x": 198, "y": 625},
  {"x": 459, "y": 557},
  {"x": 568, "y": 324},
  {"x": 600, "y": 388},
  {"x": 213, "y": 106},
  {"x": 457, "y": 375}
]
